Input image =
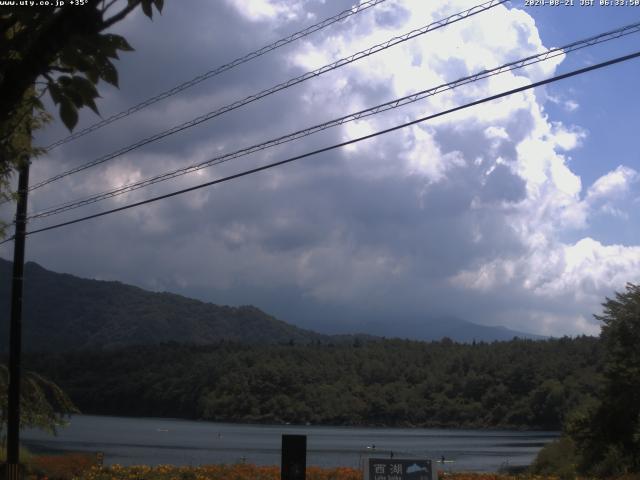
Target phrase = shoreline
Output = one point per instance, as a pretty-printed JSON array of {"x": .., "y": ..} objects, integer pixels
[{"x": 407, "y": 426}]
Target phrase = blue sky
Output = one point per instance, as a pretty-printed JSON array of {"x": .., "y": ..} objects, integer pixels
[
  {"x": 521, "y": 213},
  {"x": 599, "y": 94},
  {"x": 607, "y": 100}
]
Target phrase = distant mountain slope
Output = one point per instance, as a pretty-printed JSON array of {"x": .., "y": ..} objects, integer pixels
[
  {"x": 63, "y": 312},
  {"x": 437, "y": 328}
]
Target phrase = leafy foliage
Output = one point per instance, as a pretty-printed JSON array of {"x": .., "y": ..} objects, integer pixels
[
  {"x": 214, "y": 472},
  {"x": 521, "y": 383},
  {"x": 43, "y": 404},
  {"x": 558, "y": 458},
  {"x": 67, "y": 47},
  {"x": 25, "y": 455},
  {"x": 29, "y": 116},
  {"x": 607, "y": 433},
  {"x": 63, "y": 51},
  {"x": 61, "y": 467}
]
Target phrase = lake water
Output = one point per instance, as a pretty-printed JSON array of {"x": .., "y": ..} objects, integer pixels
[{"x": 153, "y": 441}]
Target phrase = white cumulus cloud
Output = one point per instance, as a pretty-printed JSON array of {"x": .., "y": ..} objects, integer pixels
[{"x": 466, "y": 214}]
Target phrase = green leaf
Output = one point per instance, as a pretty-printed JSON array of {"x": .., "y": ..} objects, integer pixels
[
  {"x": 159, "y": 4},
  {"x": 68, "y": 91},
  {"x": 84, "y": 86},
  {"x": 55, "y": 92},
  {"x": 37, "y": 104},
  {"x": 75, "y": 97},
  {"x": 93, "y": 74},
  {"x": 106, "y": 48},
  {"x": 87, "y": 45},
  {"x": 109, "y": 73},
  {"x": 68, "y": 113},
  {"x": 119, "y": 42},
  {"x": 92, "y": 105},
  {"x": 87, "y": 91},
  {"x": 146, "y": 8},
  {"x": 109, "y": 52},
  {"x": 71, "y": 57}
]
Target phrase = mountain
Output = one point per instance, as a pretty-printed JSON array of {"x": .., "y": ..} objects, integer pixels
[
  {"x": 437, "y": 328},
  {"x": 63, "y": 312}
]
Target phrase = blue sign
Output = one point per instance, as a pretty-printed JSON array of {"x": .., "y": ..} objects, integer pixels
[{"x": 400, "y": 469}]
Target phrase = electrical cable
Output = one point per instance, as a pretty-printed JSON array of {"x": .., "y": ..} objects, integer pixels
[
  {"x": 342, "y": 144},
  {"x": 218, "y": 70},
  {"x": 544, "y": 56},
  {"x": 289, "y": 83}
]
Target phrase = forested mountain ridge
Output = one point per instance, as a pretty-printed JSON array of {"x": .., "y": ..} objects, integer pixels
[
  {"x": 521, "y": 383},
  {"x": 63, "y": 312}
]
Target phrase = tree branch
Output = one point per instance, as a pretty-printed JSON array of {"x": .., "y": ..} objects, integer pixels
[
  {"x": 120, "y": 15},
  {"x": 62, "y": 69},
  {"x": 108, "y": 6}
]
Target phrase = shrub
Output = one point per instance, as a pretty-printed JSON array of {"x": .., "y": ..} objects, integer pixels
[
  {"x": 61, "y": 467},
  {"x": 557, "y": 458},
  {"x": 25, "y": 455}
]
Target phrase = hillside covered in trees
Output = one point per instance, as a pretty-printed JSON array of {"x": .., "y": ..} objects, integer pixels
[
  {"x": 63, "y": 312},
  {"x": 521, "y": 383}
]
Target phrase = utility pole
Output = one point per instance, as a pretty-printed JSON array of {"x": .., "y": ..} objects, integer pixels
[{"x": 13, "y": 468}]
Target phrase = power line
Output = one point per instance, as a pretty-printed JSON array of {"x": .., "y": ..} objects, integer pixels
[
  {"x": 551, "y": 53},
  {"x": 289, "y": 83},
  {"x": 343, "y": 144},
  {"x": 218, "y": 70}
]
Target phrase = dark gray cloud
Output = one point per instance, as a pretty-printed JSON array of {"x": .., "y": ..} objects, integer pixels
[{"x": 456, "y": 217}]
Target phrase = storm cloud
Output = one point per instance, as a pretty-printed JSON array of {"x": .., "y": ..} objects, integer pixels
[{"x": 465, "y": 215}]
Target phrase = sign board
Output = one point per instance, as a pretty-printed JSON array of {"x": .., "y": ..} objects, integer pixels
[{"x": 400, "y": 469}]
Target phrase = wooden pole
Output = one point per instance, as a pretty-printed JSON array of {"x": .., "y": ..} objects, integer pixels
[{"x": 14, "y": 472}]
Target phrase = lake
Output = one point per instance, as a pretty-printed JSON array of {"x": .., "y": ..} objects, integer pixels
[{"x": 153, "y": 441}]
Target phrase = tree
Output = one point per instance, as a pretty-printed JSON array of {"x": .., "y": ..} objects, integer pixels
[
  {"x": 44, "y": 404},
  {"x": 608, "y": 434},
  {"x": 63, "y": 52}
]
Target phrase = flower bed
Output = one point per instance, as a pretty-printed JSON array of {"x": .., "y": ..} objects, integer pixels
[{"x": 83, "y": 467}]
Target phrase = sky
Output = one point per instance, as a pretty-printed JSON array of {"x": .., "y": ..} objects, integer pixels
[{"x": 521, "y": 212}]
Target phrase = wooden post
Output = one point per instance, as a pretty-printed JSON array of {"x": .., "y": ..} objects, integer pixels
[
  {"x": 13, "y": 470},
  {"x": 293, "y": 463}
]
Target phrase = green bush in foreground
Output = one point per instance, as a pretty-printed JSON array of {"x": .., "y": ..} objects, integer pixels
[
  {"x": 557, "y": 458},
  {"x": 25, "y": 455},
  {"x": 607, "y": 434}
]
